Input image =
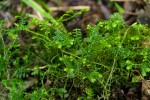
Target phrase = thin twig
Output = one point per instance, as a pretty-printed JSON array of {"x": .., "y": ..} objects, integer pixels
[
  {"x": 130, "y": 13},
  {"x": 124, "y": 0},
  {"x": 68, "y": 8}
]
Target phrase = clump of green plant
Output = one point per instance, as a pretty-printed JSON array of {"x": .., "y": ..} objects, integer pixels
[{"x": 67, "y": 65}]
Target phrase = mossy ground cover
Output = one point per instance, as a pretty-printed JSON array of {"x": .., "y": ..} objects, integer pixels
[{"x": 50, "y": 63}]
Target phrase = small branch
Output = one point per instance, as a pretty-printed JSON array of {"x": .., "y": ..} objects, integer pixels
[
  {"x": 68, "y": 8},
  {"x": 124, "y": 0},
  {"x": 130, "y": 13},
  {"x": 43, "y": 67}
]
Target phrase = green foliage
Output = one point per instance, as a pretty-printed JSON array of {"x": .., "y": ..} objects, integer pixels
[
  {"x": 37, "y": 94},
  {"x": 16, "y": 90},
  {"x": 119, "y": 8},
  {"x": 71, "y": 63}
]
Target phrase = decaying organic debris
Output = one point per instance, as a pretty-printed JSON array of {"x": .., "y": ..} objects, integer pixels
[{"x": 145, "y": 90}]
